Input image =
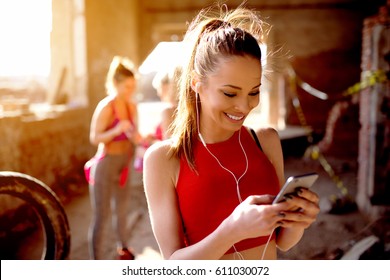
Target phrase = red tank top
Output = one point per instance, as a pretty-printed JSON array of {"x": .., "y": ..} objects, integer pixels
[{"x": 207, "y": 198}]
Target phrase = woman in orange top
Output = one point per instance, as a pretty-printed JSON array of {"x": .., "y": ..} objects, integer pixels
[{"x": 114, "y": 131}]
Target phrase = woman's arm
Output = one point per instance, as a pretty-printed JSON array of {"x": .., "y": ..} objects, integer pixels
[
  {"x": 99, "y": 123},
  {"x": 272, "y": 148},
  {"x": 160, "y": 175},
  {"x": 294, "y": 223},
  {"x": 135, "y": 135}
]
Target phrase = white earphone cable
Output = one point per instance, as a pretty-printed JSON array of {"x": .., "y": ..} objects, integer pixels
[
  {"x": 220, "y": 164},
  {"x": 266, "y": 244}
]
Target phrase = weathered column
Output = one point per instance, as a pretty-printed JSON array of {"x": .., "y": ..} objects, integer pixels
[{"x": 373, "y": 194}]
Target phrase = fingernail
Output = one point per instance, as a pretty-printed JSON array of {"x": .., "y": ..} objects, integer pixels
[
  {"x": 299, "y": 190},
  {"x": 281, "y": 214}
]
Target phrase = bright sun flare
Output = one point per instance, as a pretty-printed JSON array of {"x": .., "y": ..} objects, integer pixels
[{"x": 25, "y": 28}]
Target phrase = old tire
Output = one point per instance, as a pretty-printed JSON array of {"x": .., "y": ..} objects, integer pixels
[{"x": 48, "y": 208}]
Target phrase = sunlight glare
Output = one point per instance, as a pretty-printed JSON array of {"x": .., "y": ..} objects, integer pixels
[{"x": 25, "y": 28}]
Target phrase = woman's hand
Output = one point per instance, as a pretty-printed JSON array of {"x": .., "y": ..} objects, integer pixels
[
  {"x": 302, "y": 209},
  {"x": 255, "y": 217},
  {"x": 124, "y": 126}
]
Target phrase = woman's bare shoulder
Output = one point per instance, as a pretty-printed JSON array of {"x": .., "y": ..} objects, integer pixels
[
  {"x": 270, "y": 141},
  {"x": 160, "y": 167},
  {"x": 267, "y": 135},
  {"x": 103, "y": 110},
  {"x": 104, "y": 104},
  {"x": 159, "y": 152},
  {"x": 106, "y": 101}
]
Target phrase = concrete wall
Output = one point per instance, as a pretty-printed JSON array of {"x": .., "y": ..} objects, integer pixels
[
  {"x": 111, "y": 29},
  {"x": 50, "y": 146}
]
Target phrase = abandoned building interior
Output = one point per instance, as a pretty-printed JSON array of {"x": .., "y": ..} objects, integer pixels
[{"x": 326, "y": 91}]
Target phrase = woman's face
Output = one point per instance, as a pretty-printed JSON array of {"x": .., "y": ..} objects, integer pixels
[
  {"x": 126, "y": 87},
  {"x": 230, "y": 93}
]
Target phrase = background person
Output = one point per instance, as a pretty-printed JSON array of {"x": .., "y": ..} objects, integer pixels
[
  {"x": 114, "y": 131},
  {"x": 166, "y": 85}
]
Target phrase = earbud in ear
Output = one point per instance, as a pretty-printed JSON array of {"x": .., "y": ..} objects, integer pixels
[{"x": 197, "y": 86}]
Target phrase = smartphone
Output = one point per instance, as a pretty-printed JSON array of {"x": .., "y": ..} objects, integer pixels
[{"x": 304, "y": 180}]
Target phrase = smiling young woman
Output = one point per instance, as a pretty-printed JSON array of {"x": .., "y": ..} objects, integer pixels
[{"x": 210, "y": 187}]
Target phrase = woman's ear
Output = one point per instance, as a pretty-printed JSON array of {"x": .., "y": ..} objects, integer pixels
[{"x": 195, "y": 82}]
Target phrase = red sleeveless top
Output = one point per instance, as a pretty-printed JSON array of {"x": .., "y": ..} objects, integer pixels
[{"x": 207, "y": 198}]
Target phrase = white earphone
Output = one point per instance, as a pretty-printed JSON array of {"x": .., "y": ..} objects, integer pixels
[{"x": 197, "y": 114}]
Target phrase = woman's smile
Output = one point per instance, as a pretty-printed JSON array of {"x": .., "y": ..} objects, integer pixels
[{"x": 235, "y": 117}]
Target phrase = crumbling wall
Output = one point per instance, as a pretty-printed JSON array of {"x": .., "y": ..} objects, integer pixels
[{"x": 51, "y": 147}]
